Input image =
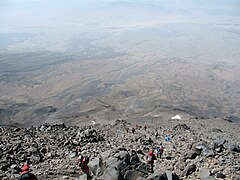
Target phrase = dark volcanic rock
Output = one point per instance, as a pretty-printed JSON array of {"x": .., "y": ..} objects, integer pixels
[
  {"x": 134, "y": 159},
  {"x": 168, "y": 176},
  {"x": 233, "y": 119},
  {"x": 143, "y": 168},
  {"x": 216, "y": 130},
  {"x": 220, "y": 175},
  {"x": 156, "y": 175},
  {"x": 181, "y": 127},
  {"x": 116, "y": 153},
  {"x": 45, "y": 110}
]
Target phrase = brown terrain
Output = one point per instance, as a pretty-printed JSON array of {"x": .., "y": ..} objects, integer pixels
[{"x": 106, "y": 84}]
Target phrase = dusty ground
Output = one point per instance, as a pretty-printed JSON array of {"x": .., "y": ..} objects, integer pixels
[{"x": 79, "y": 91}]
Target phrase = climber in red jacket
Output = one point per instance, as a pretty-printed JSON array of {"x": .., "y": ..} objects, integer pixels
[{"x": 150, "y": 159}]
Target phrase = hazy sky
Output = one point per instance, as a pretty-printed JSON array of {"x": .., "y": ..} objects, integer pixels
[
  {"x": 94, "y": 15},
  {"x": 33, "y": 25}
]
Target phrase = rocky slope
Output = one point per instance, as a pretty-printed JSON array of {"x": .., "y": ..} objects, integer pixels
[{"x": 199, "y": 149}]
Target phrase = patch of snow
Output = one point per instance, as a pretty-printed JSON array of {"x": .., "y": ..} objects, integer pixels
[{"x": 177, "y": 117}]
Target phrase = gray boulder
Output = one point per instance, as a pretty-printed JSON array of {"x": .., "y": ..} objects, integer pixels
[
  {"x": 82, "y": 177},
  {"x": 208, "y": 152},
  {"x": 96, "y": 166},
  {"x": 209, "y": 178},
  {"x": 123, "y": 156},
  {"x": 189, "y": 170},
  {"x": 200, "y": 146},
  {"x": 237, "y": 178},
  {"x": 133, "y": 175},
  {"x": 110, "y": 173},
  {"x": 119, "y": 162},
  {"x": 143, "y": 168},
  {"x": 204, "y": 173},
  {"x": 156, "y": 175},
  {"x": 216, "y": 130},
  {"x": 232, "y": 147},
  {"x": 134, "y": 159},
  {"x": 169, "y": 176},
  {"x": 219, "y": 142},
  {"x": 161, "y": 175},
  {"x": 122, "y": 167},
  {"x": 192, "y": 154},
  {"x": 220, "y": 175}
]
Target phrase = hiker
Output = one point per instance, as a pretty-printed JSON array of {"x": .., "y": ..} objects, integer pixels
[
  {"x": 26, "y": 175},
  {"x": 133, "y": 130},
  {"x": 145, "y": 127},
  {"x": 137, "y": 127},
  {"x": 167, "y": 138},
  {"x": 161, "y": 151},
  {"x": 83, "y": 163},
  {"x": 150, "y": 141},
  {"x": 156, "y": 134},
  {"x": 157, "y": 151},
  {"x": 150, "y": 160}
]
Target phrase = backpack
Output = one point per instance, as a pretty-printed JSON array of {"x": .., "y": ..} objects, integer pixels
[
  {"x": 149, "y": 158},
  {"x": 25, "y": 177},
  {"x": 161, "y": 150},
  {"x": 84, "y": 161}
]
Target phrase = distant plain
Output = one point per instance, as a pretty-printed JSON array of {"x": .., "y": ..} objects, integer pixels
[{"x": 78, "y": 62}]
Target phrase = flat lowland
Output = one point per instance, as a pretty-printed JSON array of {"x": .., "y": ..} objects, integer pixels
[
  {"x": 148, "y": 78},
  {"x": 78, "y": 62}
]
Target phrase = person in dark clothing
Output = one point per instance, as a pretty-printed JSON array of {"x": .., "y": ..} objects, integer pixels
[
  {"x": 145, "y": 127},
  {"x": 150, "y": 141},
  {"x": 26, "y": 175},
  {"x": 161, "y": 151},
  {"x": 156, "y": 134},
  {"x": 133, "y": 130}
]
